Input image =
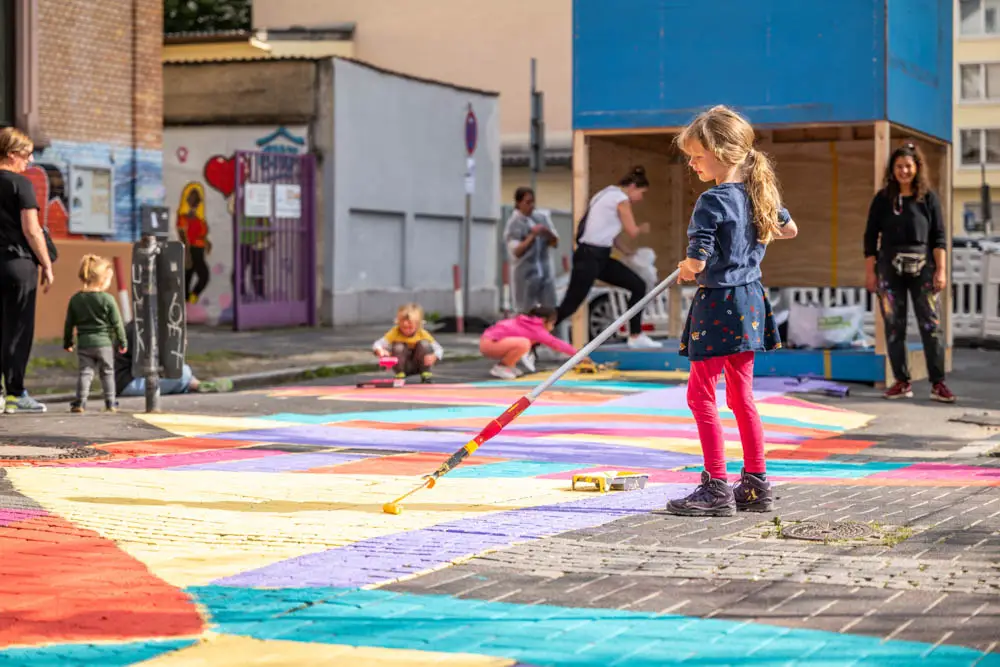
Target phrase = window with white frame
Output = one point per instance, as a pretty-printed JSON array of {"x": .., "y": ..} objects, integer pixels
[
  {"x": 979, "y": 17},
  {"x": 974, "y": 213},
  {"x": 980, "y": 81},
  {"x": 980, "y": 147}
]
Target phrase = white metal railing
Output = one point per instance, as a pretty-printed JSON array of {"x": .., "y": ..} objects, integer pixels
[{"x": 975, "y": 302}]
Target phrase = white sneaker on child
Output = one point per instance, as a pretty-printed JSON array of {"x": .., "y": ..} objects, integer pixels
[
  {"x": 503, "y": 372},
  {"x": 643, "y": 342},
  {"x": 528, "y": 361}
]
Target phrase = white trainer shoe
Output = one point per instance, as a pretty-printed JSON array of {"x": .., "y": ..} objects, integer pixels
[
  {"x": 503, "y": 372},
  {"x": 528, "y": 361},
  {"x": 643, "y": 342}
]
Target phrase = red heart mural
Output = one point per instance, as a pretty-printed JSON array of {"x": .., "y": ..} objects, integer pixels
[{"x": 220, "y": 173}]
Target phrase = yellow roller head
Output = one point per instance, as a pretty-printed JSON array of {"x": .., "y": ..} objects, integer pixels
[{"x": 392, "y": 508}]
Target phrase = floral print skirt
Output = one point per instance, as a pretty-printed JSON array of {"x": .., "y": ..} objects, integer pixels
[{"x": 729, "y": 320}]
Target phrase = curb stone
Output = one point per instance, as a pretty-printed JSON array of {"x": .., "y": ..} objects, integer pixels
[{"x": 281, "y": 376}]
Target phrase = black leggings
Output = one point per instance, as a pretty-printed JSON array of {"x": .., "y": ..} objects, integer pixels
[
  {"x": 18, "y": 289},
  {"x": 593, "y": 263},
  {"x": 199, "y": 270},
  {"x": 893, "y": 290}
]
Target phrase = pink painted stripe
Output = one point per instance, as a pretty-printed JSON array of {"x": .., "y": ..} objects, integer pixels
[
  {"x": 7, "y": 517},
  {"x": 188, "y": 458},
  {"x": 799, "y": 403},
  {"x": 942, "y": 471},
  {"x": 688, "y": 433}
]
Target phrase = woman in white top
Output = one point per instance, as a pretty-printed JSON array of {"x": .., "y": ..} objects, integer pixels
[{"x": 609, "y": 213}]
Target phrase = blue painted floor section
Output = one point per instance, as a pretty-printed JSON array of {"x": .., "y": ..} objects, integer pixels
[
  {"x": 549, "y": 636},
  {"x": 89, "y": 655}
]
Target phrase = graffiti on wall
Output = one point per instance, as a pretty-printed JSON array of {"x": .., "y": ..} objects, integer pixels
[
  {"x": 47, "y": 181},
  {"x": 200, "y": 178}
]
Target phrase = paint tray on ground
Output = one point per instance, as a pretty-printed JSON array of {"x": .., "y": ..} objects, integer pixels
[{"x": 615, "y": 480}]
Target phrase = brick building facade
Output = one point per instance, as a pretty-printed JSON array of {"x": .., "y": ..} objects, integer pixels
[{"x": 83, "y": 78}]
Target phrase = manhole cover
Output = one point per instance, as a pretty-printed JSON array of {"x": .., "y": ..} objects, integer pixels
[{"x": 822, "y": 531}]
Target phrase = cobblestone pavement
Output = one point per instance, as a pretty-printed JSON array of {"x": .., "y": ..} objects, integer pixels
[{"x": 247, "y": 529}]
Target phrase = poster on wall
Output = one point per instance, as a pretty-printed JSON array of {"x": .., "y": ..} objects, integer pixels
[
  {"x": 257, "y": 200},
  {"x": 287, "y": 201},
  {"x": 90, "y": 201},
  {"x": 201, "y": 180}
]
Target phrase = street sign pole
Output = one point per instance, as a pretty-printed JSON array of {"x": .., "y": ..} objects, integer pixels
[
  {"x": 471, "y": 138},
  {"x": 536, "y": 148}
]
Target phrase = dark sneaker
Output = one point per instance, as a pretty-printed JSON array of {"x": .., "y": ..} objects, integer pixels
[
  {"x": 752, "y": 493},
  {"x": 899, "y": 390},
  {"x": 76, "y": 408},
  {"x": 111, "y": 406},
  {"x": 23, "y": 403},
  {"x": 713, "y": 497},
  {"x": 942, "y": 394},
  {"x": 427, "y": 377}
]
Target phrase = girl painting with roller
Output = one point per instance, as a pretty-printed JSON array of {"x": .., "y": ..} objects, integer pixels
[{"x": 730, "y": 318}]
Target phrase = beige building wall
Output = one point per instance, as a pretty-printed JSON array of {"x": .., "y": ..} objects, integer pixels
[
  {"x": 974, "y": 114},
  {"x": 485, "y": 44}
]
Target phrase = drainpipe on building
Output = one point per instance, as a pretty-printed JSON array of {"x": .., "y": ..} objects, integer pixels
[{"x": 135, "y": 116}]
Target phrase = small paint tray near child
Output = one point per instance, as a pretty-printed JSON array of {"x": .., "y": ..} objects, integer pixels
[{"x": 614, "y": 480}]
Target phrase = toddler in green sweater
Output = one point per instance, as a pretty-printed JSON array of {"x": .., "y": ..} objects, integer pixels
[{"x": 99, "y": 327}]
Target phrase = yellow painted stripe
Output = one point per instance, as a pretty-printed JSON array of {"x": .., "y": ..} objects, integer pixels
[
  {"x": 827, "y": 364},
  {"x": 834, "y": 211}
]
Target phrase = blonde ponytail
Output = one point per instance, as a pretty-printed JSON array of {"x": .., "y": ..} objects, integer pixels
[
  {"x": 94, "y": 270},
  {"x": 761, "y": 184}
]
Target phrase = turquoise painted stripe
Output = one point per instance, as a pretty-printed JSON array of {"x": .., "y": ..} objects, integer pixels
[
  {"x": 570, "y": 385},
  {"x": 835, "y": 469},
  {"x": 513, "y": 469},
  {"x": 84, "y": 655},
  {"x": 547, "y": 635},
  {"x": 489, "y": 412}
]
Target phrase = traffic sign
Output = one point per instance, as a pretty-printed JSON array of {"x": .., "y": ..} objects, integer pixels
[{"x": 471, "y": 131}]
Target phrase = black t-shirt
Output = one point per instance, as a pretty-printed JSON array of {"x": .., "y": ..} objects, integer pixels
[
  {"x": 16, "y": 195},
  {"x": 918, "y": 224}
]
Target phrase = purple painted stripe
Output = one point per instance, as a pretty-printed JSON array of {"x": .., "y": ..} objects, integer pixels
[
  {"x": 633, "y": 430},
  {"x": 676, "y": 397},
  {"x": 283, "y": 463},
  {"x": 509, "y": 447},
  {"x": 393, "y": 556},
  {"x": 9, "y": 516},
  {"x": 185, "y": 459}
]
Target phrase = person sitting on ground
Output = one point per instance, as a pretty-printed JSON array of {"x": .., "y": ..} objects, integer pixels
[
  {"x": 511, "y": 340},
  {"x": 129, "y": 385},
  {"x": 415, "y": 349},
  {"x": 93, "y": 313}
]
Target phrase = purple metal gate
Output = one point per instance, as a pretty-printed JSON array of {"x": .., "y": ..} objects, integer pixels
[{"x": 274, "y": 241}]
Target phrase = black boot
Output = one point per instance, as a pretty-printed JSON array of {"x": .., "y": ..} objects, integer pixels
[{"x": 753, "y": 494}]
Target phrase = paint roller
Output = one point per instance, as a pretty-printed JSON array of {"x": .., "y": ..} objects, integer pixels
[{"x": 519, "y": 406}]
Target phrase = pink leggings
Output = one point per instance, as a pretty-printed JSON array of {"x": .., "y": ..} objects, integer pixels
[{"x": 739, "y": 398}]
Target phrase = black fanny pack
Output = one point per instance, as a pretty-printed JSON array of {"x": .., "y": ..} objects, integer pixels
[{"x": 909, "y": 263}]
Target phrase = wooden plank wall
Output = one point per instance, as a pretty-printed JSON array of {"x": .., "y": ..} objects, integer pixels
[{"x": 613, "y": 157}]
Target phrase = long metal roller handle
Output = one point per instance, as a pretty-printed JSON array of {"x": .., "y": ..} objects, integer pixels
[{"x": 603, "y": 336}]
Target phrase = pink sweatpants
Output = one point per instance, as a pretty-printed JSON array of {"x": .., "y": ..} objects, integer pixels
[{"x": 739, "y": 398}]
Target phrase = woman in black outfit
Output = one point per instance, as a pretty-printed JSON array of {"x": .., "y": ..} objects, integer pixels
[
  {"x": 608, "y": 215},
  {"x": 906, "y": 254},
  {"x": 22, "y": 252}
]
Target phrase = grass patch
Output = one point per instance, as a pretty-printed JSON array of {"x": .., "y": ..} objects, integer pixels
[
  {"x": 66, "y": 363},
  {"x": 215, "y": 356}
]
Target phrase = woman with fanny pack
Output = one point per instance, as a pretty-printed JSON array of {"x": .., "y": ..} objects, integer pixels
[{"x": 906, "y": 254}]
